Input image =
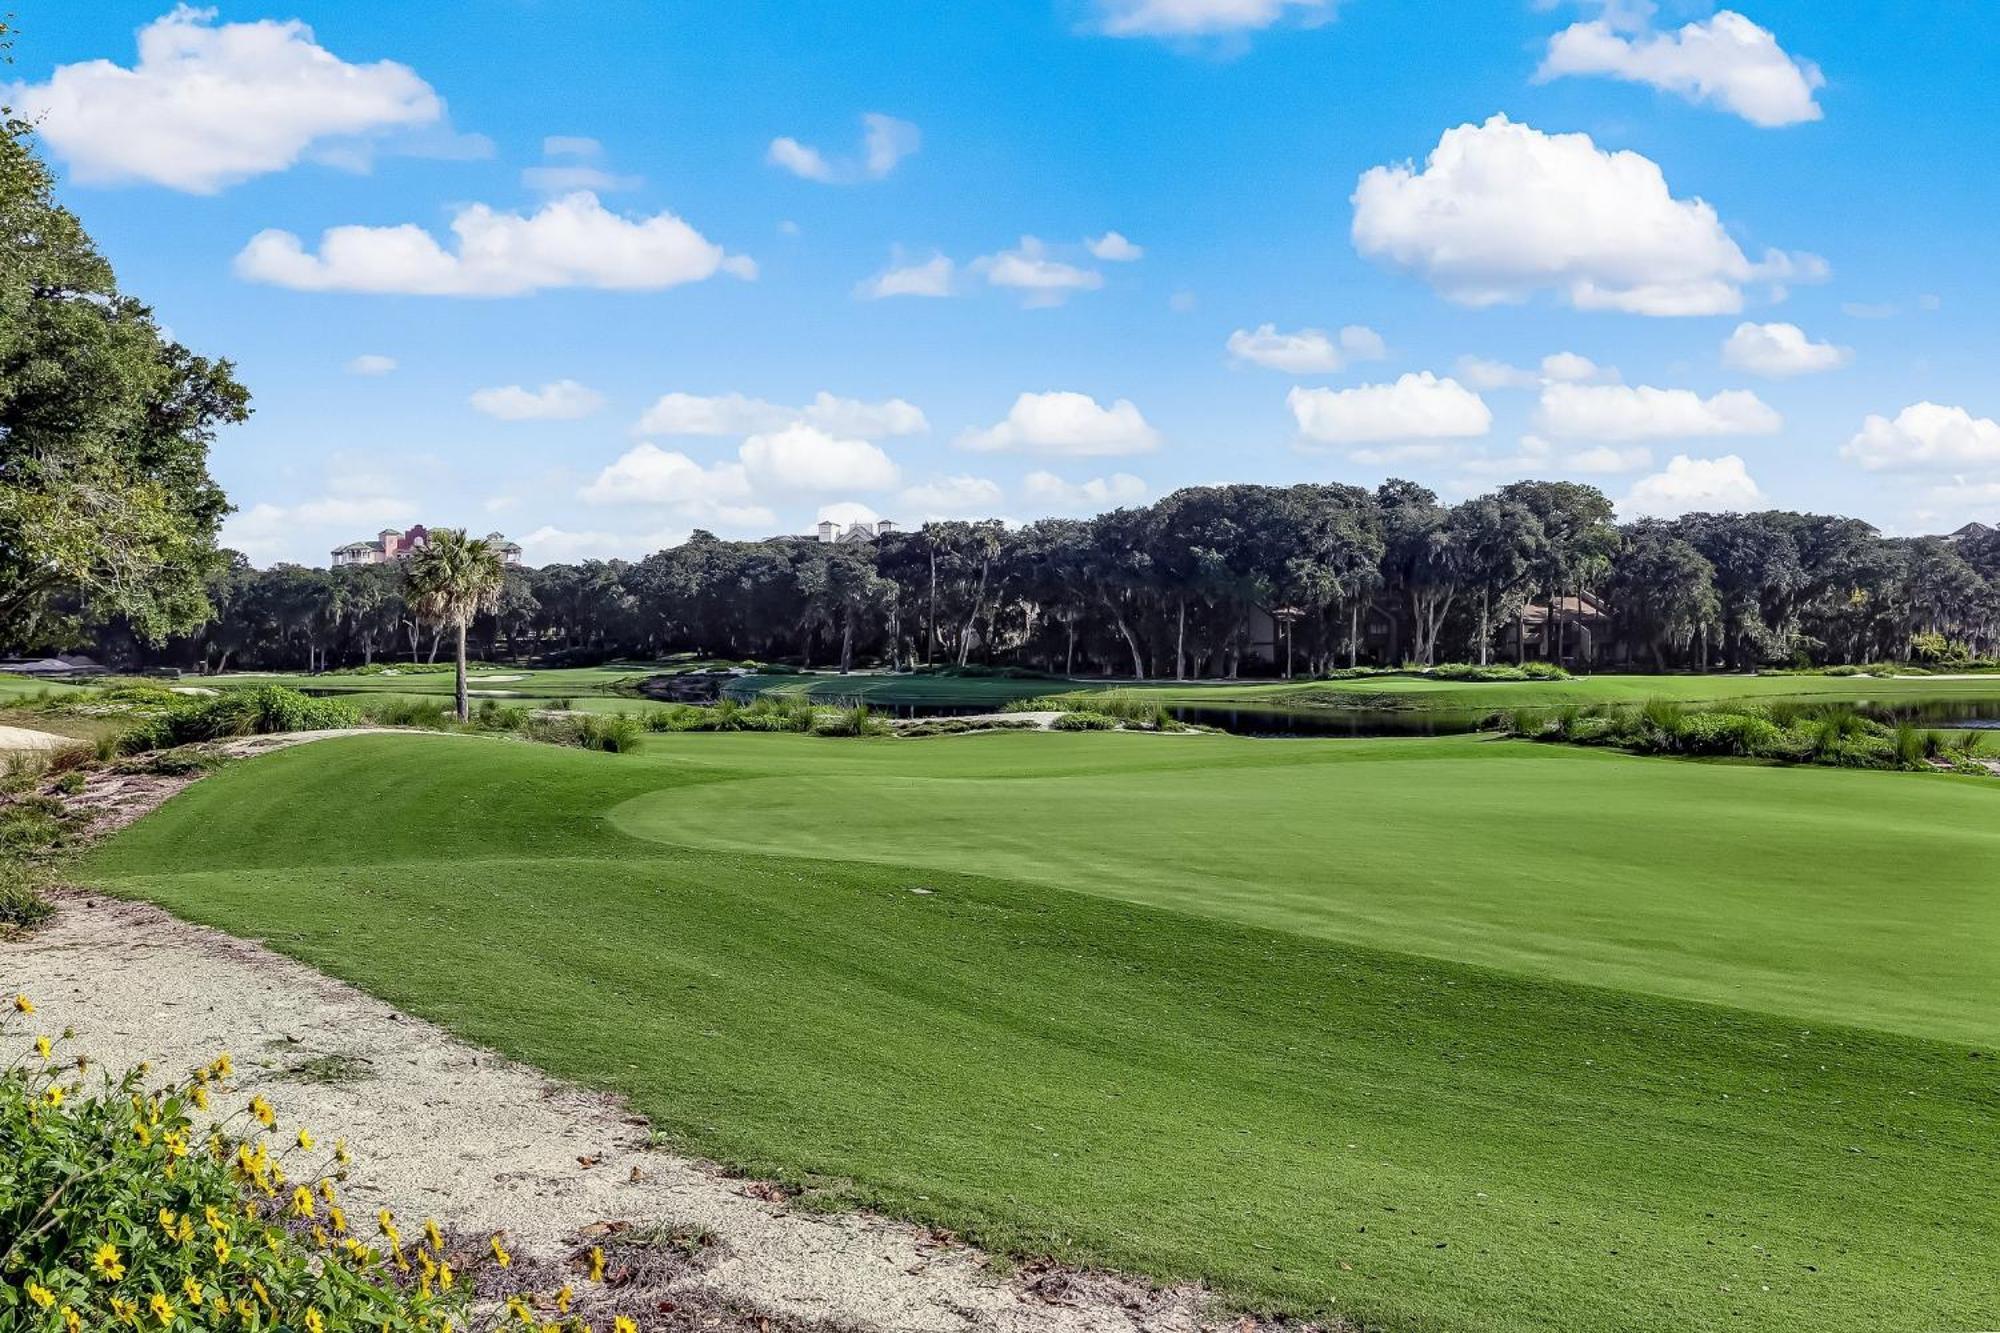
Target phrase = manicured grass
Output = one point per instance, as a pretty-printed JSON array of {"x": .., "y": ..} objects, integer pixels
[
  {"x": 1203, "y": 1006},
  {"x": 1381, "y": 692}
]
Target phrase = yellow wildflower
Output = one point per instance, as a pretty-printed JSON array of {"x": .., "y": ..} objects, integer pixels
[
  {"x": 445, "y": 1276},
  {"x": 44, "y": 1048},
  {"x": 221, "y": 1250},
  {"x": 184, "y": 1233},
  {"x": 162, "y": 1308},
  {"x": 597, "y": 1263},
  {"x": 257, "y": 1286},
  {"x": 338, "y": 1218},
  {"x": 340, "y": 1153},
  {"x": 124, "y": 1309},
  {"x": 302, "y": 1202},
  {"x": 563, "y": 1298},
  {"x": 315, "y": 1322},
  {"x": 40, "y": 1294},
  {"x": 193, "y": 1290},
  {"x": 305, "y": 1138},
  {"x": 621, "y": 1324},
  {"x": 22, "y": 1005},
  {"x": 104, "y": 1260},
  {"x": 261, "y": 1110},
  {"x": 326, "y": 1190},
  {"x": 142, "y": 1133},
  {"x": 433, "y": 1235},
  {"x": 54, "y": 1095},
  {"x": 200, "y": 1098},
  {"x": 500, "y": 1251},
  {"x": 71, "y": 1320},
  {"x": 519, "y": 1309}
]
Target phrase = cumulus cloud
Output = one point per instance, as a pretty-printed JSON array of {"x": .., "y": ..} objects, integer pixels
[
  {"x": 1113, "y": 248},
  {"x": 1030, "y": 269},
  {"x": 1725, "y": 61},
  {"x": 1692, "y": 485},
  {"x": 803, "y": 459},
  {"x": 1555, "y": 368},
  {"x": 564, "y": 400},
  {"x": 306, "y": 530},
  {"x": 1925, "y": 435},
  {"x": 929, "y": 277},
  {"x": 552, "y": 545},
  {"x": 573, "y": 241},
  {"x": 1416, "y": 407},
  {"x": 1096, "y": 494},
  {"x": 885, "y": 141},
  {"x": 573, "y": 162},
  {"x": 1642, "y": 412},
  {"x": 1305, "y": 351},
  {"x": 371, "y": 363},
  {"x": 946, "y": 497},
  {"x": 736, "y": 414},
  {"x": 1072, "y": 424},
  {"x": 1203, "y": 18},
  {"x": 1501, "y": 211},
  {"x": 1536, "y": 455},
  {"x": 647, "y": 474},
  {"x": 1780, "y": 350},
  {"x": 209, "y": 105}
]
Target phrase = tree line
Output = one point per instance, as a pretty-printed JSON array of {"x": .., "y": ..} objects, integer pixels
[{"x": 1211, "y": 581}]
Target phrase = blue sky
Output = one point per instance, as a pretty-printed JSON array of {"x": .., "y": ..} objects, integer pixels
[{"x": 1757, "y": 245}]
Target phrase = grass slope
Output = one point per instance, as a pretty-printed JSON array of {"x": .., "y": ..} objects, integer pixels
[{"x": 1189, "y": 1087}]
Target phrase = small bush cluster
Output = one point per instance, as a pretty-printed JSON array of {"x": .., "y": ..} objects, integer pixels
[
  {"x": 958, "y": 726},
  {"x": 259, "y": 711},
  {"x": 1458, "y": 671},
  {"x": 37, "y": 828},
  {"x": 613, "y": 733},
  {"x": 770, "y": 712},
  {"x": 1785, "y": 731},
  {"x": 1130, "y": 709},
  {"x": 130, "y": 1204}
]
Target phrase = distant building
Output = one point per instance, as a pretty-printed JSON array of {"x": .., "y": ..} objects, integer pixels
[
  {"x": 390, "y": 544},
  {"x": 64, "y": 666},
  {"x": 1968, "y": 532},
  {"x": 829, "y": 531}
]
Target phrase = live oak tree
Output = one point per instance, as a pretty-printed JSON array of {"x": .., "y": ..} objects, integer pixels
[{"x": 107, "y": 510}]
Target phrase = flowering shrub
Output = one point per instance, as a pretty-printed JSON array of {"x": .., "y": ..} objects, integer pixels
[{"x": 124, "y": 1204}]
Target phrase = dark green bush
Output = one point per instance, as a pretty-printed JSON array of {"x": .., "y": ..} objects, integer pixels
[
  {"x": 1085, "y": 722},
  {"x": 253, "y": 712}
]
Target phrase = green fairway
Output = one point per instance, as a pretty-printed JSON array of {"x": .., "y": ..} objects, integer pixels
[
  {"x": 1379, "y": 692},
  {"x": 1457, "y": 1034}
]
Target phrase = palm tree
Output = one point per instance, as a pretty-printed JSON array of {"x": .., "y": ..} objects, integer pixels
[{"x": 453, "y": 578}]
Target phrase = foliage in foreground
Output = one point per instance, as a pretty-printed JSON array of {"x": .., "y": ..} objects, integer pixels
[
  {"x": 127, "y": 1203},
  {"x": 258, "y": 711},
  {"x": 1785, "y": 731}
]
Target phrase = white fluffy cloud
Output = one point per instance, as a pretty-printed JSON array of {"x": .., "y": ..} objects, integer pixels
[
  {"x": 564, "y": 400},
  {"x": 1306, "y": 351},
  {"x": 803, "y": 459},
  {"x": 885, "y": 141},
  {"x": 1072, "y": 424},
  {"x": 736, "y": 414},
  {"x": 1415, "y": 407},
  {"x": 209, "y": 105},
  {"x": 1555, "y": 368},
  {"x": 267, "y": 532},
  {"x": 646, "y": 474},
  {"x": 1502, "y": 210},
  {"x": 1202, "y": 18},
  {"x": 1098, "y": 493},
  {"x": 371, "y": 363},
  {"x": 1113, "y": 248},
  {"x": 1726, "y": 61},
  {"x": 1691, "y": 485},
  {"x": 928, "y": 277},
  {"x": 1535, "y": 455},
  {"x": 573, "y": 241},
  {"x": 574, "y": 162},
  {"x": 1780, "y": 350},
  {"x": 1642, "y": 412},
  {"x": 1030, "y": 269},
  {"x": 552, "y": 545},
  {"x": 945, "y": 497},
  {"x": 1925, "y": 435}
]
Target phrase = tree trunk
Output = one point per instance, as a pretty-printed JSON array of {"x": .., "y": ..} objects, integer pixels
[
  {"x": 847, "y": 644},
  {"x": 458, "y": 677},
  {"x": 1069, "y": 654},
  {"x": 1353, "y": 635},
  {"x": 930, "y": 627},
  {"x": 1180, "y": 644},
  {"x": 1132, "y": 642},
  {"x": 1485, "y": 633}
]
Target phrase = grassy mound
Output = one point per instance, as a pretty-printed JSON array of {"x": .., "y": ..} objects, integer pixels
[{"x": 1307, "y": 1020}]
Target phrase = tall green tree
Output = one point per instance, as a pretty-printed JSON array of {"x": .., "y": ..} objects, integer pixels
[
  {"x": 106, "y": 506},
  {"x": 453, "y": 578}
]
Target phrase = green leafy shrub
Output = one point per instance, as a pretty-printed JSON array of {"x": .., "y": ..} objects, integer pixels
[
  {"x": 253, "y": 712},
  {"x": 1085, "y": 722},
  {"x": 129, "y": 1203},
  {"x": 851, "y": 720},
  {"x": 22, "y": 905},
  {"x": 612, "y": 733}
]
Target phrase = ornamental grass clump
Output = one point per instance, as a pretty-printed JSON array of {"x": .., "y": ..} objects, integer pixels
[
  {"x": 253, "y": 712},
  {"x": 178, "y": 1206}
]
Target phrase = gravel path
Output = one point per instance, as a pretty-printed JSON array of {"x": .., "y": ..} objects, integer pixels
[{"x": 446, "y": 1129}]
